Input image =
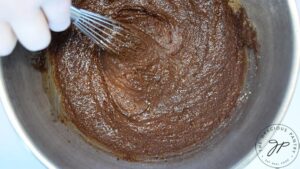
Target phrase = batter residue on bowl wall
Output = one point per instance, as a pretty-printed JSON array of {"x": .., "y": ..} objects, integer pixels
[{"x": 166, "y": 98}]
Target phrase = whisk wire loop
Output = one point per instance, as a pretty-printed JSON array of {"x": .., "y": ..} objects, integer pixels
[{"x": 105, "y": 32}]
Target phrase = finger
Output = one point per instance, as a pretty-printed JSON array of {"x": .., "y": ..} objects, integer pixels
[
  {"x": 8, "y": 40},
  {"x": 58, "y": 14},
  {"x": 32, "y": 30}
]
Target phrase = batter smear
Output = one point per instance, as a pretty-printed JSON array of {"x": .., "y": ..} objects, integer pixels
[{"x": 167, "y": 97}]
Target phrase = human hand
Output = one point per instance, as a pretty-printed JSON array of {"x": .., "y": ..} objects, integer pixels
[{"x": 29, "y": 22}]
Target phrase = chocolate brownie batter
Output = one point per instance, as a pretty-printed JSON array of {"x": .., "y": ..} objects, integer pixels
[{"x": 168, "y": 96}]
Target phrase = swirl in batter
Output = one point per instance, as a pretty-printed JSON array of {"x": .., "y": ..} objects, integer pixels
[{"x": 165, "y": 98}]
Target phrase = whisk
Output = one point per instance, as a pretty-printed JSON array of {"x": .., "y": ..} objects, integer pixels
[{"x": 105, "y": 32}]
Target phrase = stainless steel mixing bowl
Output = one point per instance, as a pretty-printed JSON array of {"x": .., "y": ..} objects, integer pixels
[{"x": 29, "y": 110}]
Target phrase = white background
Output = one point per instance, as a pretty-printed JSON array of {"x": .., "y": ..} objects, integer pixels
[{"x": 15, "y": 155}]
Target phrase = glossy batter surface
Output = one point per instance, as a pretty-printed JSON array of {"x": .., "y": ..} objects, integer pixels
[{"x": 168, "y": 96}]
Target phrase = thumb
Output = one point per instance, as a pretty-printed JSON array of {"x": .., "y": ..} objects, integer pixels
[{"x": 57, "y": 13}]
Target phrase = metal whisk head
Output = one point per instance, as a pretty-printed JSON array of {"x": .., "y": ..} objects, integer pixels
[{"x": 105, "y": 32}]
